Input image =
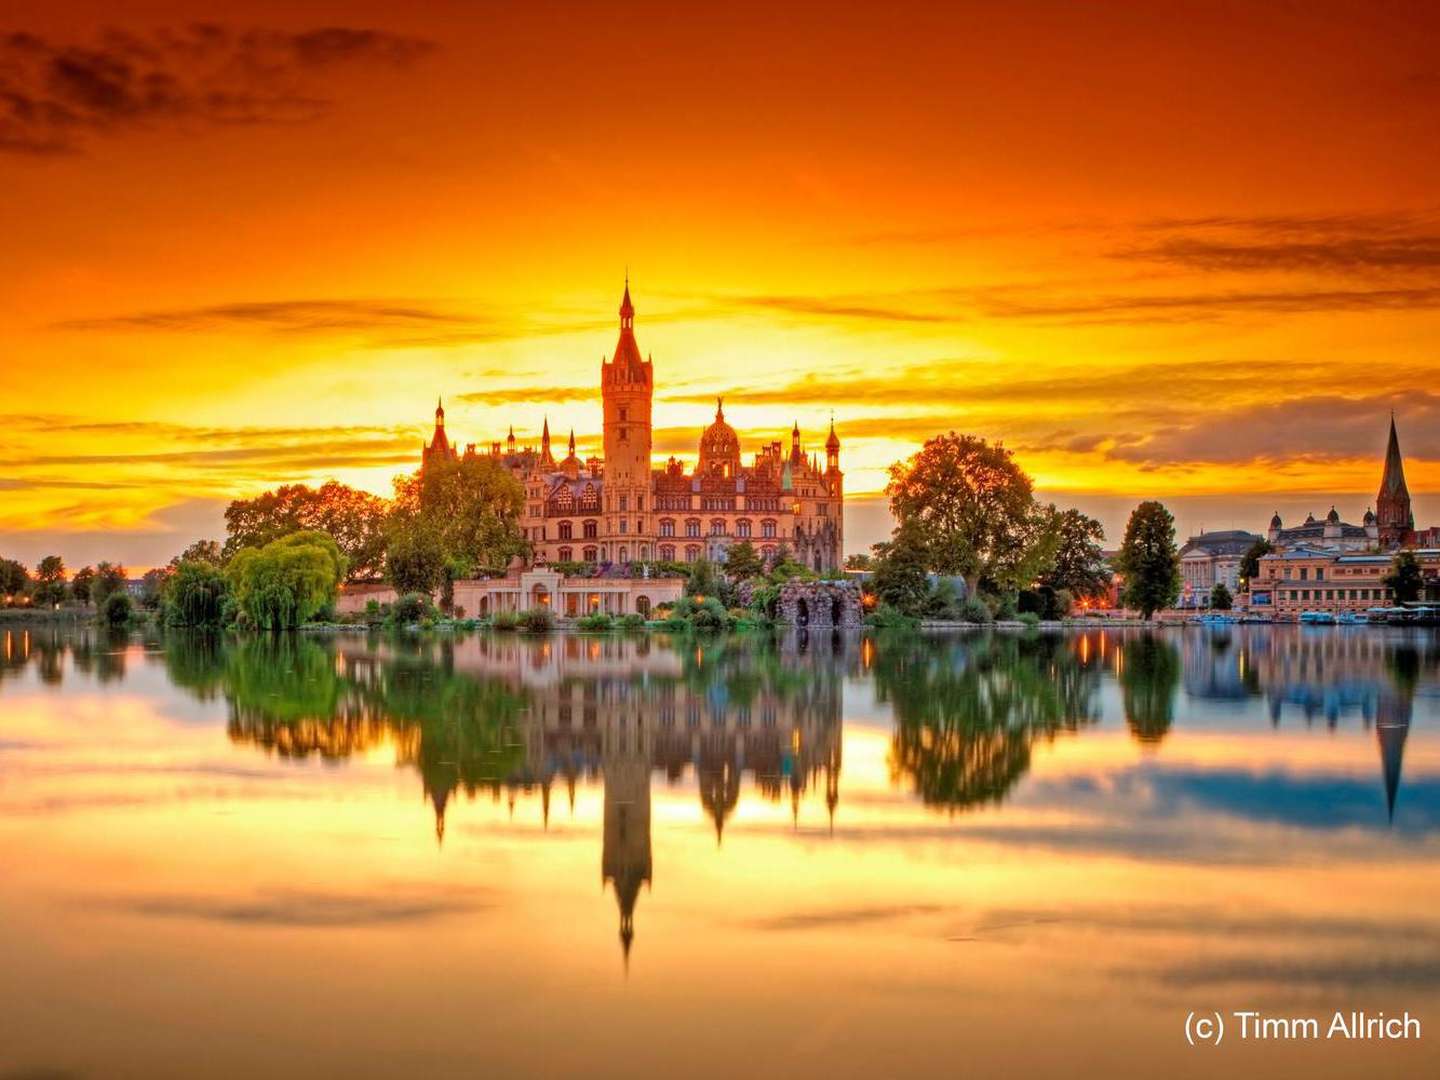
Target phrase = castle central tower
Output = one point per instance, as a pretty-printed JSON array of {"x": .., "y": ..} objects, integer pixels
[{"x": 627, "y": 385}]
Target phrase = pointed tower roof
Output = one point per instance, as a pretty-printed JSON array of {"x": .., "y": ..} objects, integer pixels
[
  {"x": 440, "y": 410},
  {"x": 627, "y": 353},
  {"x": 1392, "y": 482},
  {"x": 833, "y": 442}
]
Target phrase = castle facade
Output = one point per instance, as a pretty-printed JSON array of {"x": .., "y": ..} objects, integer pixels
[{"x": 619, "y": 508}]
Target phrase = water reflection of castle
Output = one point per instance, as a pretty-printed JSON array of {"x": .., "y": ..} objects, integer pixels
[{"x": 513, "y": 717}]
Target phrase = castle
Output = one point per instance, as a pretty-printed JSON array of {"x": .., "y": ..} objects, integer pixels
[{"x": 619, "y": 509}]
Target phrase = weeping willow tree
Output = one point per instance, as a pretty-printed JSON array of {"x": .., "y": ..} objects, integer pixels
[{"x": 288, "y": 581}]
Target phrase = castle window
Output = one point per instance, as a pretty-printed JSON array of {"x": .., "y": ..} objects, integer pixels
[
  {"x": 591, "y": 554},
  {"x": 567, "y": 530},
  {"x": 692, "y": 527},
  {"x": 566, "y": 554},
  {"x": 692, "y": 553},
  {"x": 624, "y": 503},
  {"x": 667, "y": 552},
  {"x": 639, "y": 502},
  {"x": 767, "y": 529},
  {"x": 624, "y": 413},
  {"x": 717, "y": 527},
  {"x": 742, "y": 528},
  {"x": 624, "y": 523},
  {"x": 667, "y": 526},
  {"x": 590, "y": 530}
]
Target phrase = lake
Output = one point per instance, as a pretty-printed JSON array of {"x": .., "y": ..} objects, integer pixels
[{"x": 825, "y": 855}]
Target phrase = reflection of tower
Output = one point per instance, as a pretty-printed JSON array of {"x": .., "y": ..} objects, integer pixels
[{"x": 626, "y": 857}]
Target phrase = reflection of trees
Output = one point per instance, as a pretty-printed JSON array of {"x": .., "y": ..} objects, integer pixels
[
  {"x": 1149, "y": 676},
  {"x": 297, "y": 697},
  {"x": 967, "y": 712}
]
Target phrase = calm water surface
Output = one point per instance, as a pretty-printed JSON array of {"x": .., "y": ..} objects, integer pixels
[{"x": 810, "y": 856}]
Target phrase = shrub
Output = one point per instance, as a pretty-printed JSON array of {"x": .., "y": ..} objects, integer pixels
[
  {"x": 710, "y": 616},
  {"x": 973, "y": 610},
  {"x": 1006, "y": 608},
  {"x": 118, "y": 608},
  {"x": 411, "y": 608},
  {"x": 597, "y": 622},
  {"x": 538, "y": 620},
  {"x": 633, "y": 621},
  {"x": 506, "y": 621},
  {"x": 887, "y": 617},
  {"x": 1029, "y": 618}
]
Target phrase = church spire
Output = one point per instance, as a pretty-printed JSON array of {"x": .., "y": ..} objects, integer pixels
[{"x": 1392, "y": 505}]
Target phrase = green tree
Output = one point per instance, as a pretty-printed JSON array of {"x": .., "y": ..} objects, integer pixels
[
  {"x": 49, "y": 581},
  {"x": 1405, "y": 581},
  {"x": 1220, "y": 598},
  {"x": 1250, "y": 562},
  {"x": 209, "y": 551},
  {"x": 743, "y": 562},
  {"x": 899, "y": 579},
  {"x": 415, "y": 557},
  {"x": 858, "y": 561},
  {"x": 14, "y": 580},
  {"x": 355, "y": 520},
  {"x": 82, "y": 583},
  {"x": 1149, "y": 560},
  {"x": 195, "y": 594},
  {"x": 288, "y": 581},
  {"x": 1079, "y": 563},
  {"x": 153, "y": 585},
  {"x": 974, "y": 507},
  {"x": 473, "y": 502},
  {"x": 109, "y": 578}
]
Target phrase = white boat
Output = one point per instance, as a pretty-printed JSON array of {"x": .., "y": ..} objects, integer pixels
[
  {"x": 1318, "y": 618},
  {"x": 1353, "y": 618}
]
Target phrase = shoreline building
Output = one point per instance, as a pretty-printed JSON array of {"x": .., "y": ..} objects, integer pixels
[
  {"x": 1212, "y": 559},
  {"x": 621, "y": 508}
]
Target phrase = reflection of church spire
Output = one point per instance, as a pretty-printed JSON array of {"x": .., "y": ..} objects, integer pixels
[{"x": 1392, "y": 727}]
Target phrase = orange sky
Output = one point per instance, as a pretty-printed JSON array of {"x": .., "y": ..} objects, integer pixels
[{"x": 1185, "y": 252}]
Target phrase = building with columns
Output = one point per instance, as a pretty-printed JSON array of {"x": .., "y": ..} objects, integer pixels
[{"x": 622, "y": 508}]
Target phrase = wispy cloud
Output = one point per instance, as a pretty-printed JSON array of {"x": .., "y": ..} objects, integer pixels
[
  {"x": 306, "y": 909},
  {"x": 57, "y": 95}
]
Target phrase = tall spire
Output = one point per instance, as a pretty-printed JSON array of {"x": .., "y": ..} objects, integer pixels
[
  {"x": 1394, "y": 478},
  {"x": 439, "y": 411},
  {"x": 627, "y": 309},
  {"x": 572, "y": 442},
  {"x": 719, "y": 410},
  {"x": 1393, "y": 513}
]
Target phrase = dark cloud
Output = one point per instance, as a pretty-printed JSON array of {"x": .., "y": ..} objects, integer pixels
[
  {"x": 302, "y": 909},
  {"x": 537, "y": 394},
  {"x": 839, "y": 307},
  {"x": 830, "y": 918},
  {"x": 1312, "y": 428},
  {"x": 55, "y": 95},
  {"x": 282, "y": 316},
  {"x": 1203, "y": 307}
]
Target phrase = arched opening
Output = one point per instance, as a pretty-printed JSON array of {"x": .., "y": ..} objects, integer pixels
[
  {"x": 484, "y": 605},
  {"x": 540, "y": 596},
  {"x": 837, "y": 612},
  {"x": 642, "y": 606},
  {"x": 802, "y": 612}
]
